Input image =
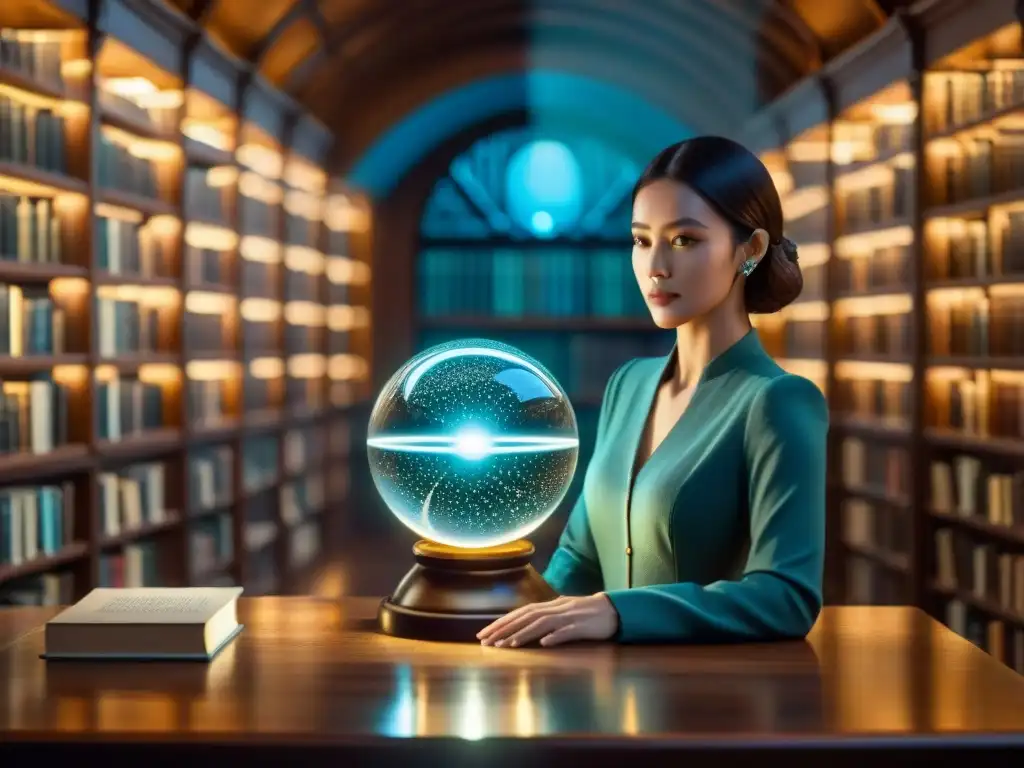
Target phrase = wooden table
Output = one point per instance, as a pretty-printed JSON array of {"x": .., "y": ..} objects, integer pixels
[{"x": 309, "y": 682}]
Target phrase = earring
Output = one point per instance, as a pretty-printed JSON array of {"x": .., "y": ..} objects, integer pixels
[{"x": 747, "y": 267}]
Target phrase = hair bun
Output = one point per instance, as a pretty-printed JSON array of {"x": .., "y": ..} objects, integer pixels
[{"x": 788, "y": 248}]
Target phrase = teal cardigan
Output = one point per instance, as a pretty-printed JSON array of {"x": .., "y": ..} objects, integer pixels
[{"x": 722, "y": 536}]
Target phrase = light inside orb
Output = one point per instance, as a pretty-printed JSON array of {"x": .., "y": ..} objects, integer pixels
[{"x": 472, "y": 443}]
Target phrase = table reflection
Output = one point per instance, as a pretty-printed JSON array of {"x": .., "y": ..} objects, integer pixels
[{"x": 596, "y": 693}]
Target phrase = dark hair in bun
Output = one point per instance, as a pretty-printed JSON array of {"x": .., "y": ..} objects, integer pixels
[{"x": 736, "y": 184}]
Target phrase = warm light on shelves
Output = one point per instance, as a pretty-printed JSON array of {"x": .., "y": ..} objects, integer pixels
[
  {"x": 23, "y": 187},
  {"x": 346, "y": 367},
  {"x": 210, "y": 237},
  {"x": 212, "y": 370},
  {"x": 342, "y": 317},
  {"x": 346, "y": 215},
  {"x": 852, "y": 142},
  {"x": 304, "y": 313},
  {"x": 858, "y": 369},
  {"x": 144, "y": 149},
  {"x": 149, "y": 295},
  {"x": 208, "y": 303},
  {"x": 70, "y": 375},
  {"x": 865, "y": 306},
  {"x": 865, "y": 243},
  {"x": 945, "y": 297},
  {"x": 304, "y": 204},
  {"x": 302, "y": 174},
  {"x": 895, "y": 114},
  {"x": 260, "y": 249},
  {"x": 947, "y": 373},
  {"x": 802, "y": 202},
  {"x": 266, "y": 368},
  {"x": 880, "y": 174},
  {"x": 807, "y": 311},
  {"x": 69, "y": 287},
  {"x": 257, "y": 310},
  {"x": 63, "y": 107},
  {"x": 142, "y": 92},
  {"x": 206, "y": 134},
  {"x": 159, "y": 373},
  {"x": 814, "y": 254},
  {"x": 257, "y": 187},
  {"x": 1001, "y": 376},
  {"x": 265, "y": 161},
  {"x": 309, "y": 366},
  {"x": 221, "y": 176},
  {"x": 301, "y": 258},
  {"x": 807, "y": 152},
  {"x": 341, "y": 270},
  {"x": 1006, "y": 289}
]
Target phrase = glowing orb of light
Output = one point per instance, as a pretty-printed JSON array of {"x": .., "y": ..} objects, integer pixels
[{"x": 472, "y": 443}]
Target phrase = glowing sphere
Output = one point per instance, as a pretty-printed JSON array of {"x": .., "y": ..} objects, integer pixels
[{"x": 472, "y": 444}]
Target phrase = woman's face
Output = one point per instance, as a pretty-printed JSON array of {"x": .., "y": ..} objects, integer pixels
[{"x": 679, "y": 238}]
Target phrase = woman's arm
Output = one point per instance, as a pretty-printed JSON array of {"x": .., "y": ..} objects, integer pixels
[
  {"x": 779, "y": 595},
  {"x": 574, "y": 568}
]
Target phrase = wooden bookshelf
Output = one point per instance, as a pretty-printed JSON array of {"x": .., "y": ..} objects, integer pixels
[
  {"x": 921, "y": 311},
  {"x": 176, "y": 380}
]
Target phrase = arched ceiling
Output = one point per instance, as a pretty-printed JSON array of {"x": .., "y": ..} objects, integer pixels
[{"x": 360, "y": 66}]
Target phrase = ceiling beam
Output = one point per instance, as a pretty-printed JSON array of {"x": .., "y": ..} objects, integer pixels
[{"x": 201, "y": 10}]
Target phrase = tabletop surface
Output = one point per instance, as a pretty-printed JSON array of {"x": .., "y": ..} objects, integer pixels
[{"x": 314, "y": 668}]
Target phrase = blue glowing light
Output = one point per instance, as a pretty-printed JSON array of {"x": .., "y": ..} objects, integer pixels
[
  {"x": 472, "y": 444},
  {"x": 542, "y": 222}
]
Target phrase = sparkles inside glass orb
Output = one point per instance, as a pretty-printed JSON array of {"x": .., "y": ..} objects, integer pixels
[{"x": 472, "y": 444}]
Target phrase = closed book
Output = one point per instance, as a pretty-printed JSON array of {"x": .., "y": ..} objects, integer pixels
[{"x": 149, "y": 623}]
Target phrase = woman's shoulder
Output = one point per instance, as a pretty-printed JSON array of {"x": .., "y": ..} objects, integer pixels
[{"x": 784, "y": 400}]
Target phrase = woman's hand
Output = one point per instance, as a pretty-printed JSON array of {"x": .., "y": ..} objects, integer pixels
[{"x": 557, "y": 621}]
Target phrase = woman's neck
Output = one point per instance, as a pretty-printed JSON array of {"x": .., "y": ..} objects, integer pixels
[{"x": 701, "y": 341}]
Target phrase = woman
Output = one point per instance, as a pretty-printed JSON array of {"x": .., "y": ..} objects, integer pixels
[{"x": 702, "y": 516}]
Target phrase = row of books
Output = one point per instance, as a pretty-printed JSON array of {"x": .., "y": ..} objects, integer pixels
[
  {"x": 956, "y": 99},
  {"x": 300, "y": 286},
  {"x": 883, "y": 268},
  {"x": 211, "y": 548},
  {"x": 888, "y": 334},
  {"x": 211, "y": 478},
  {"x": 981, "y": 567},
  {"x": 978, "y": 406},
  {"x": 815, "y": 277},
  {"x": 31, "y": 323},
  {"x": 303, "y": 339},
  {"x": 875, "y": 206},
  {"x": 207, "y": 402},
  {"x": 33, "y": 416},
  {"x": 875, "y": 468},
  {"x": 972, "y": 326},
  {"x": 127, "y": 407},
  {"x": 300, "y": 499},
  {"x": 41, "y": 589},
  {"x": 32, "y": 231},
  {"x": 870, "y": 583},
  {"x": 36, "y": 59},
  {"x": 581, "y": 362},
  {"x": 505, "y": 282},
  {"x": 304, "y": 544},
  {"x": 305, "y": 393},
  {"x": 260, "y": 280},
  {"x": 260, "y": 468},
  {"x": 869, "y": 524},
  {"x": 810, "y": 228},
  {"x": 1003, "y": 642},
  {"x": 1011, "y": 247},
  {"x": 257, "y": 218},
  {"x": 985, "y": 166},
  {"x": 871, "y": 400},
  {"x": 130, "y": 248},
  {"x": 32, "y": 136},
  {"x": 132, "y": 497},
  {"x": 805, "y": 339},
  {"x": 136, "y": 565},
  {"x": 260, "y": 337},
  {"x": 205, "y": 266},
  {"x": 301, "y": 231},
  {"x": 302, "y": 447},
  {"x": 203, "y": 202},
  {"x": 35, "y": 522},
  {"x": 208, "y": 333},
  {"x": 159, "y": 118},
  {"x": 261, "y": 394},
  {"x": 966, "y": 487},
  {"x": 118, "y": 169}
]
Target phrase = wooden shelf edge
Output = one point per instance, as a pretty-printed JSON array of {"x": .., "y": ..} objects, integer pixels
[
  {"x": 20, "y": 468},
  {"x": 30, "y": 364},
  {"x": 23, "y": 273},
  {"x": 1003, "y": 446},
  {"x": 140, "y": 446},
  {"x": 1014, "y": 534},
  {"x": 891, "y": 560},
  {"x": 57, "y": 181},
  {"x": 67, "y": 554},
  {"x": 173, "y": 520},
  {"x": 983, "y": 604}
]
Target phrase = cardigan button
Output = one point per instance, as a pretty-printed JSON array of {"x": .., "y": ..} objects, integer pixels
[{"x": 629, "y": 551}]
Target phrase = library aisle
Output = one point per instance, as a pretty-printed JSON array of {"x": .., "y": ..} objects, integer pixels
[{"x": 183, "y": 309}]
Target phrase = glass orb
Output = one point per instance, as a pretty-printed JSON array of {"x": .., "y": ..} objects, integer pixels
[{"x": 472, "y": 444}]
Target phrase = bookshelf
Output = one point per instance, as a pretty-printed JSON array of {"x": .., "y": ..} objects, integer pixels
[
  {"x": 176, "y": 378},
  {"x": 919, "y": 311}
]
